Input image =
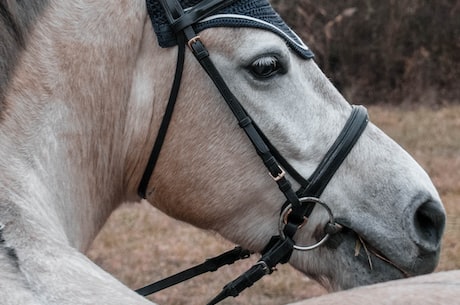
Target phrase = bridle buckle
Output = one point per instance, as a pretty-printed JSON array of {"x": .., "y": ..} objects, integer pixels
[
  {"x": 193, "y": 41},
  {"x": 280, "y": 175}
]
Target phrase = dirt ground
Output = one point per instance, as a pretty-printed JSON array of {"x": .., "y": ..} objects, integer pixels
[{"x": 139, "y": 244}]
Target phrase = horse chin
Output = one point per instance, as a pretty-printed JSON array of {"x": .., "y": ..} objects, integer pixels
[{"x": 362, "y": 263}]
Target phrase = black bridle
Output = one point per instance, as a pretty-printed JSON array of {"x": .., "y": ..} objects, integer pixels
[{"x": 299, "y": 204}]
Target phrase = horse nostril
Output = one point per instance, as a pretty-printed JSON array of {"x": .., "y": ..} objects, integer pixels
[{"x": 429, "y": 222}]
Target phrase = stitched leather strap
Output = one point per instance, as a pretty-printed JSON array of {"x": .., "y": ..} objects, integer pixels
[
  {"x": 210, "y": 265},
  {"x": 337, "y": 153}
]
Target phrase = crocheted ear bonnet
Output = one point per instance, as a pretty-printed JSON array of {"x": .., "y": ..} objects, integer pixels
[{"x": 243, "y": 13}]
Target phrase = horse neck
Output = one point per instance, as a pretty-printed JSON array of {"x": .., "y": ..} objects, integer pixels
[{"x": 63, "y": 130}]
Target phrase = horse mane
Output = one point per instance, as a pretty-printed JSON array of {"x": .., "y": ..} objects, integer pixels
[{"x": 16, "y": 18}]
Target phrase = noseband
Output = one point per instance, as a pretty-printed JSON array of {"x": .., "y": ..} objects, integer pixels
[{"x": 299, "y": 204}]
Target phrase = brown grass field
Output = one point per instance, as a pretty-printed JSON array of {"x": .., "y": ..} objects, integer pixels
[{"x": 139, "y": 244}]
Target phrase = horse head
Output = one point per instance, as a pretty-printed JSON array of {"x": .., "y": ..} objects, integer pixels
[{"x": 209, "y": 175}]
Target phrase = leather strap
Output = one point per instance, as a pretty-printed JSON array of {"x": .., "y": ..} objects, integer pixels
[
  {"x": 197, "y": 13},
  {"x": 245, "y": 122},
  {"x": 266, "y": 265},
  {"x": 210, "y": 265},
  {"x": 161, "y": 135},
  {"x": 317, "y": 182},
  {"x": 337, "y": 153}
]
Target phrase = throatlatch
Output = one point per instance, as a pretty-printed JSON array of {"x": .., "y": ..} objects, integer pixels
[{"x": 184, "y": 24}]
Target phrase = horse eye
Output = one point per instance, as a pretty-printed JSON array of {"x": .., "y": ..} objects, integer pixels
[{"x": 265, "y": 67}]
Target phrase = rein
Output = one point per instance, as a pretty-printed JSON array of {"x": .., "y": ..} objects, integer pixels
[{"x": 299, "y": 204}]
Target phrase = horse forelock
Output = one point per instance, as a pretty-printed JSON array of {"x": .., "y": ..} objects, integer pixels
[{"x": 16, "y": 20}]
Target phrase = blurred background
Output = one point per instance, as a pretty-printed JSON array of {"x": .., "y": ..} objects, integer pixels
[
  {"x": 383, "y": 51},
  {"x": 400, "y": 59}
]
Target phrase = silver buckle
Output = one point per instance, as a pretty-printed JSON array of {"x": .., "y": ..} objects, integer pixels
[{"x": 280, "y": 175}]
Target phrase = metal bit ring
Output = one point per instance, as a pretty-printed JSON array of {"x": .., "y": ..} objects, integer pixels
[{"x": 285, "y": 213}]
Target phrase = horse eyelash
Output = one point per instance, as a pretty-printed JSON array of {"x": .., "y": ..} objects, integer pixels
[{"x": 265, "y": 61}]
